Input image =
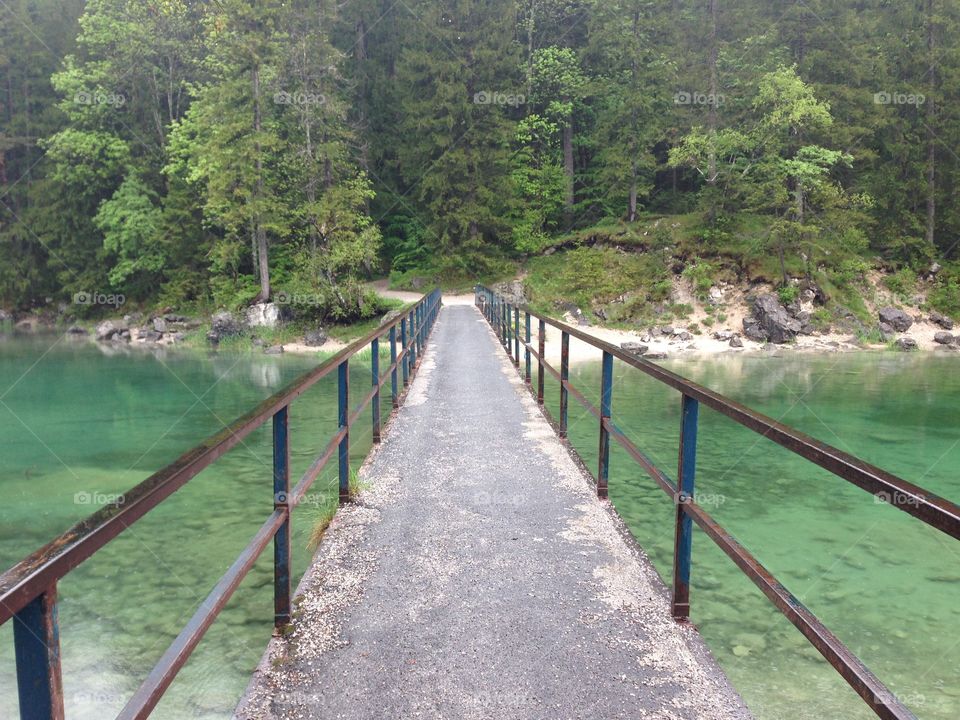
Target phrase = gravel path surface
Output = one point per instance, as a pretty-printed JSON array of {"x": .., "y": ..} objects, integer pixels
[{"x": 479, "y": 576}]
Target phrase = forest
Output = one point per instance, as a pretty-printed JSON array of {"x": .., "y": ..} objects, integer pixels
[{"x": 217, "y": 153}]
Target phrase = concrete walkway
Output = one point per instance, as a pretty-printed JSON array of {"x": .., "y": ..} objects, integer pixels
[{"x": 480, "y": 577}]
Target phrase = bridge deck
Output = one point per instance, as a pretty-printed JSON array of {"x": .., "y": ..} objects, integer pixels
[{"x": 479, "y": 576}]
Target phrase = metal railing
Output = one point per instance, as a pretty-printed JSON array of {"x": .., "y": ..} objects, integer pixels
[
  {"x": 504, "y": 317},
  {"x": 28, "y": 591}
]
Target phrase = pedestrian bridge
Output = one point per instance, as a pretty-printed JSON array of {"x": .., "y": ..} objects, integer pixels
[{"x": 481, "y": 573}]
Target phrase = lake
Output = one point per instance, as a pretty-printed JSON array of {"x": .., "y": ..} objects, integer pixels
[{"x": 80, "y": 423}]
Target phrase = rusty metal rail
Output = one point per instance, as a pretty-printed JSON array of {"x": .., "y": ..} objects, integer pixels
[
  {"x": 28, "y": 590},
  {"x": 504, "y": 317}
]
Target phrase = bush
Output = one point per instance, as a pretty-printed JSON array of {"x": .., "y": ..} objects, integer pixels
[
  {"x": 902, "y": 282},
  {"x": 788, "y": 293},
  {"x": 945, "y": 297}
]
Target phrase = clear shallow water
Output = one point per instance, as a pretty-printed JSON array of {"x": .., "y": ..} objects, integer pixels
[
  {"x": 886, "y": 584},
  {"x": 79, "y": 424},
  {"x": 82, "y": 422}
]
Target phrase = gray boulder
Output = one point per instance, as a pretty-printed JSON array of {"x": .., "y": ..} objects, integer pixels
[
  {"x": 159, "y": 325},
  {"x": 265, "y": 315},
  {"x": 656, "y": 356},
  {"x": 76, "y": 330},
  {"x": 753, "y": 330},
  {"x": 107, "y": 330},
  {"x": 941, "y": 320},
  {"x": 776, "y": 322},
  {"x": 886, "y": 331},
  {"x": 907, "y": 344},
  {"x": 226, "y": 324},
  {"x": 736, "y": 342},
  {"x": 274, "y": 350},
  {"x": 943, "y": 338},
  {"x": 634, "y": 348},
  {"x": 315, "y": 338},
  {"x": 897, "y": 319},
  {"x": 150, "y": 336}
]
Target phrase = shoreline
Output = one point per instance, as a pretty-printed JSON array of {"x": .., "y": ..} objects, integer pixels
[{"x": 680, "y": 344}]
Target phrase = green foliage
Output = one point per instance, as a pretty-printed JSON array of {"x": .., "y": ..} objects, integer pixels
[
  {"x": 944, "y": 296},
  {"x": 701, "y": 275},
  {"x": 788, "y": 293},
  {"x": 903, "y": 282}
]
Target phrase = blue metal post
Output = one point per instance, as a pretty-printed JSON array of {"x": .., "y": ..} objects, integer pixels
[
  {"x": 506, "y": 326},
  {"x": 375, "y": 377},
  {"x": 542, "y": 347},
  {"x": 404, "y": 350},
  {"x": 281, "y": 500},
  {"x": 413, "y": 342},
  {"x": 394, "y": 385},
  {"x": 683, "y": 544},
  {"x": 36, "y": 644},
  {"x": 606, "y": 404},
  {"x": 516, "y": 336},
  {"x": 343, "y": 406},
  {"x": 526, "y": 353},
  {"x": 564, "y": 376}
]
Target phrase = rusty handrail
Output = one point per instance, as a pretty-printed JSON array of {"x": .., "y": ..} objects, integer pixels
[
  {"x": 28, "y": 590},
  {"x": 937, "y": 512}
]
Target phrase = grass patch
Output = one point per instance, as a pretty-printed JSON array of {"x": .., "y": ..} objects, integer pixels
[
  {"x": 328, "y": 510},
  {"x": 591, "y": 277}
]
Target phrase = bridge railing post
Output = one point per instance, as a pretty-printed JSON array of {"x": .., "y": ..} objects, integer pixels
[
  {"x": 375, "y": 377},
  {"x": 564, "y": 376},
  {"x": 406, "y": 355},
  {"x": 413, "y": 342},
  {"x": 506, "y": 326},
  {"x": 542, "y": 347},
  {"x": 683, "y": 541},
  {"x": 606, "y": 403},
  {"x": 526, "y": 352},
  {"x": 343, "y": 408},
  {"x": 516, "y": 336},
  {"x": 281, "y": 501},
  {"x": 36, "y": 641},
  {"x": 394, "y": 385}
]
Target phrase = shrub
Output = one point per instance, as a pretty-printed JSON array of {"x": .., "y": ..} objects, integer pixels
[
  {"x": 788, "y": 293},
  {"x": 903, "y": 282}
]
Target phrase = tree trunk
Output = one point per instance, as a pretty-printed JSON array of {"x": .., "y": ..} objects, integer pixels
[
  {"x": 568, "y": 163},
  {"x": 712, "y": 108},
  {"x": 260, "y": 231},
  {"x": 931, "y": 135},
  {"x": 530, "y": 31}
]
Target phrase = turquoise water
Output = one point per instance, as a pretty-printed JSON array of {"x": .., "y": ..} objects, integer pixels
[
  {"x": 80, "y": 423},
  {"x": 886, "y": 584}
]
